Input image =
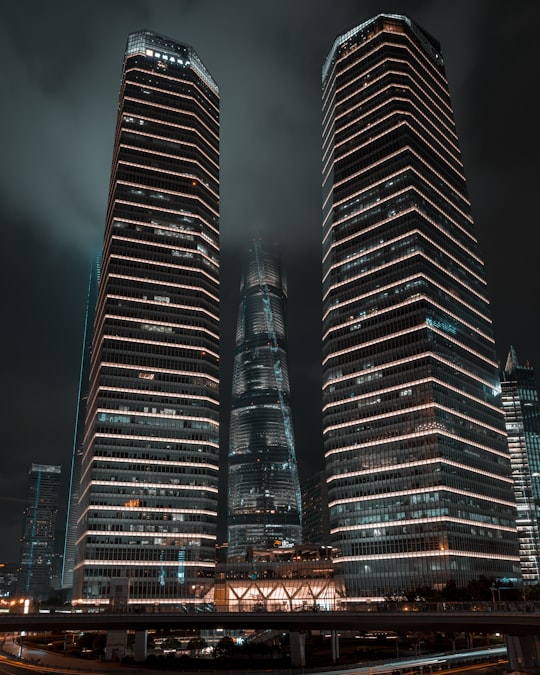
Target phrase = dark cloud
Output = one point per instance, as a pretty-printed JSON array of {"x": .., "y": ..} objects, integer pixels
[
  {"x": 501, "y": 148},
  {"x": 60, "y": 79}
]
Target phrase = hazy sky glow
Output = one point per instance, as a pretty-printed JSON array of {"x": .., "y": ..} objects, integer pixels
[{"x": 61, "y": 65}]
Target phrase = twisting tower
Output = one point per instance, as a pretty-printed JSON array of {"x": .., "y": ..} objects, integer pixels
[{"x": 264, "y": 491}]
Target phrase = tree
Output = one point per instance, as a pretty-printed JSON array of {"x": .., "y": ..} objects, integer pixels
[
  {"x": 196, "y": 645},
  {"x": 533, "y": 592},
  {"x": 479, "y": 589},
  {"x": 224, "y": 646},
  {"x": 451, "y": 592}
]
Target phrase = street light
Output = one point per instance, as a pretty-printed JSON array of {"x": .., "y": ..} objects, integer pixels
[{"x": 21, "y": 635}]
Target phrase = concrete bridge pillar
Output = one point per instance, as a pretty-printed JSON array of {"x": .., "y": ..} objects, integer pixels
[
  {"x": 139, "y": 648},
  {"x": 115, "y": 646},
  {"x": 297, "y": 642},
  {"x": 523, "y": 652},
  {"x": 334, "y": 637}
]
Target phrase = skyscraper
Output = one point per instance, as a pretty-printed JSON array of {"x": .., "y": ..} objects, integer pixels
[
  {"x": 264, "y": 493},
  {"x": 522, "y": 417},
  {"x": 148, "y": 501},
  {"x": 70, "y": 539},
  {"x": 37, "y": 541},
  {"x": 418, "y": 470}
]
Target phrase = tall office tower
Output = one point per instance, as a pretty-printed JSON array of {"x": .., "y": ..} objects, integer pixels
[
  {"x": 522, "y": 417},
  {"x": 148, "y": 496},
  {"x": 37, "y": 541},
  {"x": 264, "y": 493},
  {"x": 418, "y": 470},
  {"x": 70, "y": 538}
]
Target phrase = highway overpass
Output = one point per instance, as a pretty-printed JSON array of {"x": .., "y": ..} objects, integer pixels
[
  {"x": 513, "y": 622},
  {"x": 521, "y": 627}
]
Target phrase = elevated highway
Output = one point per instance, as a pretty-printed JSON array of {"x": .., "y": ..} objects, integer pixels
[
  {"x": 518, "y": 622},
  {"x": 512, "y": 621}
]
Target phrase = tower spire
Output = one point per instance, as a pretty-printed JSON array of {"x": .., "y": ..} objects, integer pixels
[{"x": 512, "y": 362}]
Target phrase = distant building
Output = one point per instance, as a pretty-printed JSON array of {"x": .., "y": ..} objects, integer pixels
[
  {"x": 418, "y": 470},
  {"x": 315, "y": 526},
  {"x": 522, "y": 417},
  {"x": 264, "y": 493},
  {"x": 147, "y": 515},
  {"x": 70, "y": 540},
  {"x": 8, "y": 579},
  {"x": 37, "y": 541}
]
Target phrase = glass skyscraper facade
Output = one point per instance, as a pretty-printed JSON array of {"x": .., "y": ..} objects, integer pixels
[
  {"x": 264, "y": 501},
  {"x": 148, "y": 496},
  {"x": 522, "y": 417},
  {"x": 418, "y": 469},
  {"x": 37, "y": 541}
]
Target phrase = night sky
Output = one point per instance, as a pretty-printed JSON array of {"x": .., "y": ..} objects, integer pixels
[{"x": 60, "y": 76}]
